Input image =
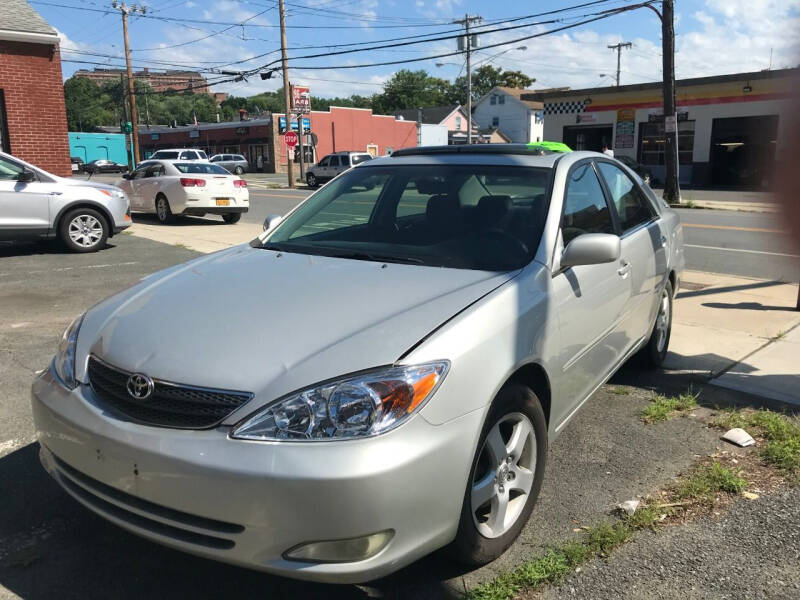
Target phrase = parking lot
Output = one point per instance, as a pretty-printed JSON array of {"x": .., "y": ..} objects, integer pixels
[{"x": 51, "y": 546}]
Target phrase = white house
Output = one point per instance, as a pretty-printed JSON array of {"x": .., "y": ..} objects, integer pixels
[{"x": 503, "y": 109}]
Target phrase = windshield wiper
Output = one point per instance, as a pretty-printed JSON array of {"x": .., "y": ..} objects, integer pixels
[{"x": 377, "y": 257}]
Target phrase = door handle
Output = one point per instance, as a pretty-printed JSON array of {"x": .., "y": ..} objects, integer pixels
[
  {"x": 55, "y": 193},
  {"x": 624, "y": 269}
]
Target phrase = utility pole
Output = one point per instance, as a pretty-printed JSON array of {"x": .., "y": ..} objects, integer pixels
[
  {"x": 125, "y": 10},
  {"x": 466, "y": 22},
  {"x": 286, "y": 92},
  {"x": 672, "y": 192},
  {"x": 618, "y": 48}
]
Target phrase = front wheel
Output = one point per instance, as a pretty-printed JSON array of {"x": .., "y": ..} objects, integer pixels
[
  {"x": 311, "y": 180},
  {"x": 505, "y": 478},
  {"x": 83, "y": 230},
  {"x": 238, "y": 170},
  {"x": 655, "y": 351},
  {"x": 231, "y": 218}
]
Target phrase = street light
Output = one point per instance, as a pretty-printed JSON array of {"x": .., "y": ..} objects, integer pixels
[
  {"x": 491, "y": 58},
  {"x": 442, "y": 64},
  {"x": 616, "y": 81}
]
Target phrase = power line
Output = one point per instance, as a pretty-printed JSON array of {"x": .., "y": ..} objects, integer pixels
[{"x": 599, "y": 17}]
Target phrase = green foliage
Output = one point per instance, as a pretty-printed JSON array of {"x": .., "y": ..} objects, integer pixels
[
  {"x": 486, "y": 77},
  {"x": 662, "y": 408},
  {"x": 88, "y": 106},
  {"x": 709, "y": 480},
  {"x": 781, "y": 432}
]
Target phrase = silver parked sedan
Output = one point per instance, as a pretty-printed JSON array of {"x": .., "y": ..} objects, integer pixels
[{"x": 406, "y": 343}]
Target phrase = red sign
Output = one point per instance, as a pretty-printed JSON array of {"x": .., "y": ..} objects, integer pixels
[
  {"x": 290, "y": 139},
  {"x": 301, "y": 99}
]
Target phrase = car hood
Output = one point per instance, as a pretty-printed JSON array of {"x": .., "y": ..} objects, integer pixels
[
  {"x": 269, "y": 323},
  {"x": 85, "y": 183}
]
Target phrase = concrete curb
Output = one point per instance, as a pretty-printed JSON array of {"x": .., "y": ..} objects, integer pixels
[{"x": 758, "y": 207}]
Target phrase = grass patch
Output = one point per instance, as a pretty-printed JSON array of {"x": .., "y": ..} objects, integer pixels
[
  {"x": 618, "y": 390},
  {"x": 709, "y": 480},
  {"x": 662, "y": 407},
  {"x": 645, "y": 517},
  {"x": 556, "y": 563},
  {"x": 780, "y": 433}
]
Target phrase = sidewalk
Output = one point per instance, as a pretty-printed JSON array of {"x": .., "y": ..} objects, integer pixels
[
  {"x": 741, "y": 333},
  {"x": 743, "y": 200}
]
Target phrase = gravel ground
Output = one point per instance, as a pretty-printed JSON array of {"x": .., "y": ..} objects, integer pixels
[{"x": 751, "y": 550}]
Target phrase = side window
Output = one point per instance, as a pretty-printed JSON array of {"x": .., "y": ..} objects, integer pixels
[
  {"x": 334, "y": 161},
  {"x": 632, "y": 208},
  {"x": 412, "y": 201},
  {"x": 501, "y": 99},
  {"x": 9, "y": 170},
  {"x": 325, "y": 161},
  {"x": 585, "y": 207},
  {"x": 140, "y": 172},
  {"x": 345, "y": 159}
]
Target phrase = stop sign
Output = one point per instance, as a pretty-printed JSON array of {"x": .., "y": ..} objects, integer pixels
[{"x": 291, "y": 139}]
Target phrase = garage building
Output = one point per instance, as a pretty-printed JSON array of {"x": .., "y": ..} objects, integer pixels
[{"x": 731, "y": 128}]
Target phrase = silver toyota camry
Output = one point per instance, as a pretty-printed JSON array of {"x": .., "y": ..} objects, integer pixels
[{"x": 405, "y": 344}]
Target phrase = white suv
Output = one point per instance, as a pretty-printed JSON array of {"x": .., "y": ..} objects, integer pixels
[
  {"x": 182, "y": 154},
  {"x": 36, "y": 204},
  {"x": 333, "y": 164}
]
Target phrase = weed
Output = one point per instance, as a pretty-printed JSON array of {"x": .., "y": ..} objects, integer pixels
[
  {"x": 780, "y": 432},
  {"x": 709, "y": 480},
  {"x": 645, "y": 517},
  {"x": 779, "y": 335},
  {"x": 618, "y": 390},
  {"x": 662, "y": 407}
]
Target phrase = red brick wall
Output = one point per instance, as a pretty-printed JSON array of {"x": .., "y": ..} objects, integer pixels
[{"x": 30, "y": 77}]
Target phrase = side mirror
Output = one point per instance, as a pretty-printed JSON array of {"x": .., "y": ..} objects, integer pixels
[
  {"x": 26, "y": 176},
  {"x": 126, "y": 175},
  {"x": 591, "y": 249},
  {"x": 271, "y": 222}
]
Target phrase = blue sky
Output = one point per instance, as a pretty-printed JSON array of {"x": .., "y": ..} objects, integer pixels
[{"x": 713, "y": 37}]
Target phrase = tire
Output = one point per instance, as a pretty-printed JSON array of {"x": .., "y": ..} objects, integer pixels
[
  {"x": 163, "y": 211},
  {"x": 231, "y": 218},
  {"x": 655, "y": 351},
  {"x": 238, "y": 170},
  {"x": 311, "y": 180},
  {"x": 481, "y": 538},
  {"x": 83, "y": 230}
]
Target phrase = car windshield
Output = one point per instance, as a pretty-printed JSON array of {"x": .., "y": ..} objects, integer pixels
[
  {"x": 206, "y": 168},
  {"x": 202, "y": 154},
  {"x": 460, "y": 216}
]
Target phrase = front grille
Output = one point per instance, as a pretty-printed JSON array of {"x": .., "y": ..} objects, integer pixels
[{"x": 170, "y": 404}]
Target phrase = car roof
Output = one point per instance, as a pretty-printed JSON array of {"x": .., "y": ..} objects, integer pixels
[{"x": 481, "y": 154}]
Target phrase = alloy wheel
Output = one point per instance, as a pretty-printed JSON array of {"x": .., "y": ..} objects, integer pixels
[
  {"x": 504, "y": 475},
  {"x": 662, "y": 322},
  {"x": 85, "y": 231},
  {"x": 162, "y": 209}
]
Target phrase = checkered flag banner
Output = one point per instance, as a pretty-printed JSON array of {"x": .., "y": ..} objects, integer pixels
[{"x": 560, "y": 108}]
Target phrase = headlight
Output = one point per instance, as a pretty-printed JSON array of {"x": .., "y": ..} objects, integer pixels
[
  {"x": 357, "y": 406},
  {"x": 64, "y": 361}
]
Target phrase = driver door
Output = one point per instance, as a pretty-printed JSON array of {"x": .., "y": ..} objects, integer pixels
[
  {"x": 24, "y": 206},
  {"x": 135, "y": 183}
]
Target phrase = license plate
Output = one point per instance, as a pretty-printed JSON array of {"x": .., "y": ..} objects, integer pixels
[
  {"x": 74, "y": 167},
  {"x": 223, "y": 201}
]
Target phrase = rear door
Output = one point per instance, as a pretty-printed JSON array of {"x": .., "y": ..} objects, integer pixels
[
  {"x": 333, "y": 167},
  {"x": 24, "y": 206},
  {"x": 344, "y": 163},
  {"x": 643, "y": 248},
  {"x": 588, "y": 299}
]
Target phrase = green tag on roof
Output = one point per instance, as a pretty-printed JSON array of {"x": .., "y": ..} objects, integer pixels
[{"x": 552, "y": 146}]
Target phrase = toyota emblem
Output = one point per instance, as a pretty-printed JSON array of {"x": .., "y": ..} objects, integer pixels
[{"x": 140, "y": 386}]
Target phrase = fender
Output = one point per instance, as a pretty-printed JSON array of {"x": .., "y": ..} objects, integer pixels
[{"x": 83, "y": 204}]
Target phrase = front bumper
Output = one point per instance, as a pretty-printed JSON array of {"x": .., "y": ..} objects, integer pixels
[{"x": 247, "y": 503}]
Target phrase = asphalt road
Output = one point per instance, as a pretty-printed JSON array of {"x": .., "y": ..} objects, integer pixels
[
  {"x": 52, "y": 547},
  {"x": 732, "y": 243}
]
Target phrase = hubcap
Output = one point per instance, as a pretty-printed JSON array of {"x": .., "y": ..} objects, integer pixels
[
  {"x": 504, "y": 475},
  {"x": 662, "y": 322},
  {"x": 161, "y": 209},
  {"x": 85, "y": 231}
]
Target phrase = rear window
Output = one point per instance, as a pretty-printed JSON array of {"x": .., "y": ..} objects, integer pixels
[
  {"x": 359, "y": 158},
  {"x": 205, "y": 168},
  {"x": 166, "y": 155}
]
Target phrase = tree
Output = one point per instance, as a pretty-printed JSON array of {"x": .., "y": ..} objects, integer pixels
[
  {"x": 87, "y": 105},
  {"x": 411, "y": 89},
  {"x": 485, "y": 77}
]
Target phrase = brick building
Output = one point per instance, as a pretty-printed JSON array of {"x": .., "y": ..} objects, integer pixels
[
  {"x": 33, "y": 118},
  {"x": 261, "y": 140},
  {"x": 160, "y": 82}
]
